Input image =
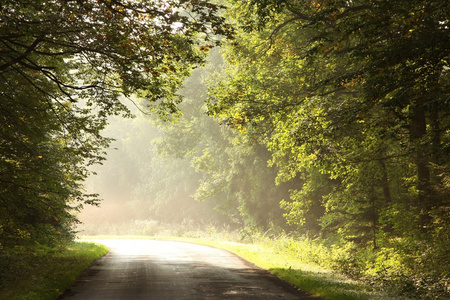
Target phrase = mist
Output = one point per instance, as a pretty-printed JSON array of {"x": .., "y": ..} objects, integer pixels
[
  {"x": 142, "y": 190},
  {"x": 147, "y": 183},
  {"x": 190, "y": 173}
]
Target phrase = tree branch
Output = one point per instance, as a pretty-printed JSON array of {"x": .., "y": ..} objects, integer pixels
[{"x": 23, "y": 55}]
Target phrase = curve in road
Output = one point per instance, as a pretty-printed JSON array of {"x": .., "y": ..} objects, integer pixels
[{"x": 148, "y": 269}]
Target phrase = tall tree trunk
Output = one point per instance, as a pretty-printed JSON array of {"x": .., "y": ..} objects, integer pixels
[
  {"x": 417, "y": 132},
  {"x": 385, "y": 182},
  {"x": 435, "y": 133}
]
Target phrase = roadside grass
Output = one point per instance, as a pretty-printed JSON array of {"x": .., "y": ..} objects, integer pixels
[
  {"x": 305, "y": 270},
  {"x": 308, "y": 276},
  {"x": 44, "y": 273}
]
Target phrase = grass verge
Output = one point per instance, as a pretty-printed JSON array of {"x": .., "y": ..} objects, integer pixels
[
  {"x": 308, "y": 277},
  {"x": 44, "y": 273}
]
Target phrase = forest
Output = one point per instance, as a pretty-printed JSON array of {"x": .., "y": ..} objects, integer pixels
[{"x": 320, "y": 120}]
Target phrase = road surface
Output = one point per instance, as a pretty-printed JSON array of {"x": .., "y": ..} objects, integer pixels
[{"x": 147, "y": 269}]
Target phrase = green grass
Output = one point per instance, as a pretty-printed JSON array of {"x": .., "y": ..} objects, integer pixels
[
  {"x": 43, "y": 273},
  {"x": 307, "y": 276},
  {"x": 294, "y": 263}
]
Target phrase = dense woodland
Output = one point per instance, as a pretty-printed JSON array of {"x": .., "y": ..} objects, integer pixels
[{"x": 327, "y": 120}]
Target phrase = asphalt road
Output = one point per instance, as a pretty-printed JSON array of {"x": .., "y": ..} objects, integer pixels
[{"x": 147, "y": 269}]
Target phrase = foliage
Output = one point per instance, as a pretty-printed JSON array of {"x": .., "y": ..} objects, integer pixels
[
  {"x": 185, "y": 169},
  {"x": 351, "y": 99},
  {"x": 336, "y": 113},
  {"x": 349, "y": 108},
  {"x": 63, "y": 66},
  {"x": 232, "y": 168}
]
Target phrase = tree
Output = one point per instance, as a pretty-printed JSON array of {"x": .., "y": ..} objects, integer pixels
[
  {"x": 393, "y": 54},
  {"x": 63, "y": 66},
  {"x": 352, "y": 97},
  {"x": 233, "y": 171}
]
